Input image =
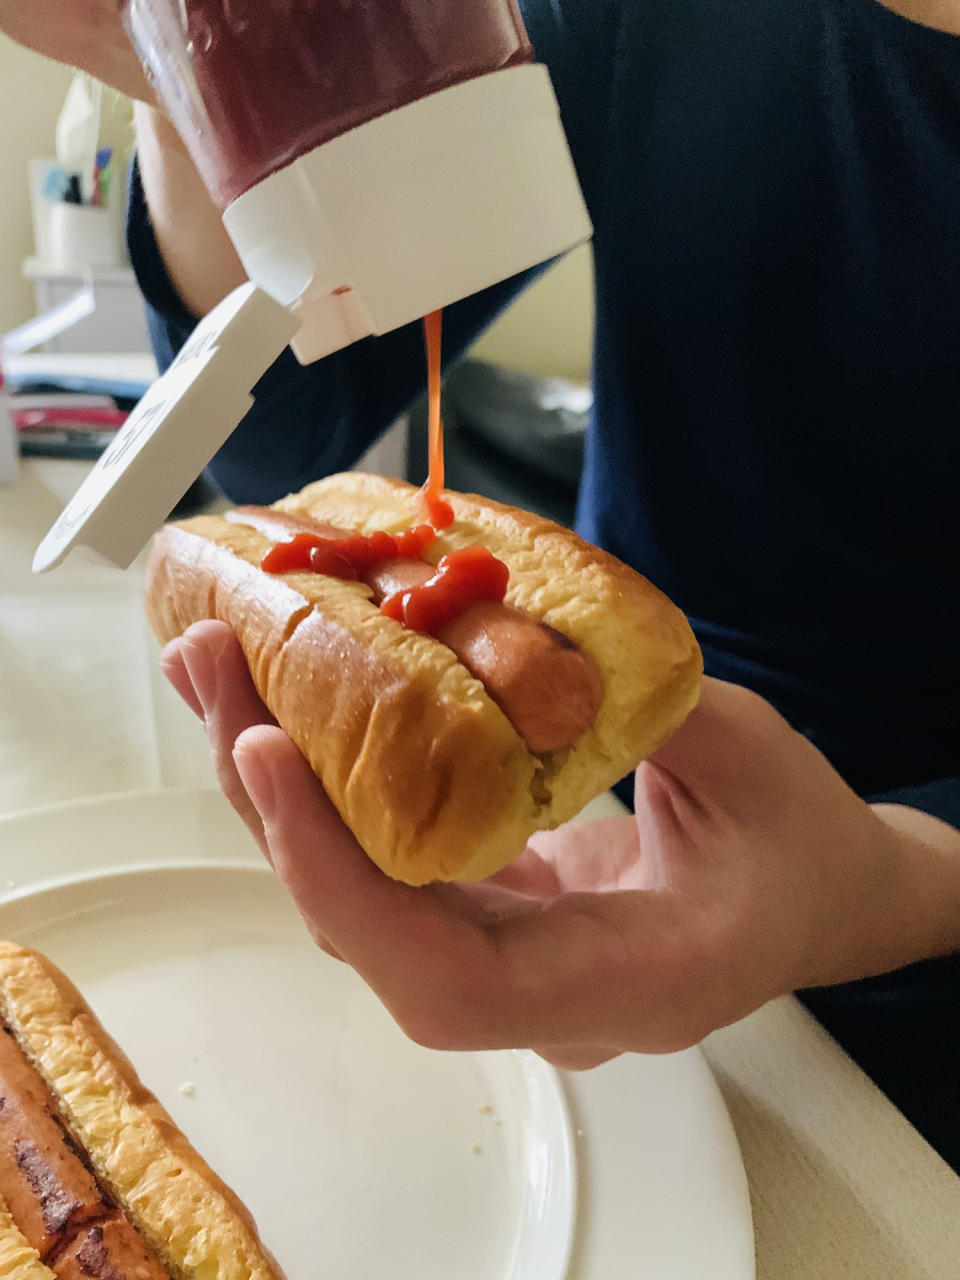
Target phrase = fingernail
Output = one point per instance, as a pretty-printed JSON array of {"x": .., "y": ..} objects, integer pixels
[
  {"x": 257, "y": 780},
  {"x": 203, "y": 674}
]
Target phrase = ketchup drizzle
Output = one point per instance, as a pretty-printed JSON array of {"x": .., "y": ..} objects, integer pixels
[
  {"x": 439, "y": 513},
  {"x": 349, "y": 558},
  {"x": 461, "y": 578}
]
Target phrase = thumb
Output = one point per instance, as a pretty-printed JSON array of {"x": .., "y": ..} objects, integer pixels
[{"x": 722, "y": 744}]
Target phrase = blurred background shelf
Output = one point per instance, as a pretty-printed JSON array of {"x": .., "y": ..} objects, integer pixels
[
  {"x": 122, "y": 375},
  {"x": 118, "y": 325}
]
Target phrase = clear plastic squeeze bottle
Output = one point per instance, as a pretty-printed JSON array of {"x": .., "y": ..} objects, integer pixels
[{"x": 375, "y": 160}]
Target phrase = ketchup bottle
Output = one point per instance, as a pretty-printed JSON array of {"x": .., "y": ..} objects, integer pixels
[{"x": 374, "y": 161}]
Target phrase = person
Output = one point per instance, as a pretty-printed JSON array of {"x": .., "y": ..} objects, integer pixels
[{"x": 774, "y": 188}]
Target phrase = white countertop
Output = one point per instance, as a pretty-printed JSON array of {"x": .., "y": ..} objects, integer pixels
[
  {"x": 38, "y": 269},
  {"x": 84, "y": 709}
]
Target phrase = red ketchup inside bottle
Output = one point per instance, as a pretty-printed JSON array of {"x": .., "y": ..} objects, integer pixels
[{"x": 254, "y": 84}]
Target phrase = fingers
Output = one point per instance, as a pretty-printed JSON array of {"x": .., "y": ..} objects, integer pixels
[
  {"x": 720, "y": 769},
  {"x": 720, "y": 741},
  {"x": 525, "y": 961},
  {"x": 533, "y": 873},
  {"x": 693, "y": 748},
  {"x": 91, "y": 38},
  {"x": 175, "y": 669},
  {"x": 596, "y": 969},
  {"x": 586, "y": 857},
  {"x": 584, "y": 1058},
  {"x": 208, "y": 669},
  {"x": 391, "y": 933}
]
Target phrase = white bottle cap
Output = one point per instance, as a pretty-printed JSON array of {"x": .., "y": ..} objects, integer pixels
[
  {"x": 414, "y": 210},
  {"x": 399, "y": 217},
  {"x": 173, "y": 433}
]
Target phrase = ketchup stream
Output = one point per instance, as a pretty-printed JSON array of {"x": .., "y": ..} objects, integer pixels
[
  {"x": 439, "y": 513},
  {"x": 546, "y": 687},
  {"x": 461, "y": 578}
]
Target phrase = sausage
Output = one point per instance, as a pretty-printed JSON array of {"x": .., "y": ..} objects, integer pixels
[
  {"x": 545, "y": 685},
  {"x": 99, "y": 1141},
  {"x": 47, "y": 1188},
  {"x": 108, "y": 1250},
  {"x": 548, "y": 689},
  {"x": 400, "y": 574},
  {"x": 425, "y": 769},
  {"x": 280, "y": 525},
  {"x": 49, "y": 1191}
]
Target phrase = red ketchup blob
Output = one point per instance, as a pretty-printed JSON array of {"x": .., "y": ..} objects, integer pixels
[
  {"x": 350, "y": 558},
  {"x": 462, "y": 578}
]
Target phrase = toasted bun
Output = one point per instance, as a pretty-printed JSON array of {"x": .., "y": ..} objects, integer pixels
[
  {"x": 18, "y": 1259},
  {"x": 196, "y": 1225},
  {"x": 422, "y": 765}
]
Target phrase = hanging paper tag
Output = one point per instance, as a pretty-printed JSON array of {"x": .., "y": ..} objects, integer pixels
[{"x": 173, "y": 433}]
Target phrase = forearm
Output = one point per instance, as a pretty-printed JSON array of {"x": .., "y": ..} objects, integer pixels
[
  {"x": 199, "y": 256},
  {"x": 893, "y": 898},
  {"x": 880, "y": 888},
  {"x": 941, "y": 14},
  {"x": 927, "y": 916}
]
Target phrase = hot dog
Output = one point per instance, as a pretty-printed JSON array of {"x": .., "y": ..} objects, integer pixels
[
  {"x": 43, "y": 1180},
  {"x": 548, "y": 689},
  {"x": 95, "y": 1178},
  {"x": 443, "y": 752}
]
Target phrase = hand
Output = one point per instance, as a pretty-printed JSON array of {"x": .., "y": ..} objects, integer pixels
[
  {"x": 749, "y": 870},
  {"x": 83, "y": 33}
]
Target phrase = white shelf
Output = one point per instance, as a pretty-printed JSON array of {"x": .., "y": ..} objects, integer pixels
[
  {"x": 118, "y": 324},
  {"x": 36, "y": 269},
  {"x": 122, "y": 368}
]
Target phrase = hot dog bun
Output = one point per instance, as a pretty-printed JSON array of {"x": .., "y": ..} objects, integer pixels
[
  {"x": 18, "y": 1260},
  {"x": 421, "y": 763},
  {"x": 195, "y": 1225}
]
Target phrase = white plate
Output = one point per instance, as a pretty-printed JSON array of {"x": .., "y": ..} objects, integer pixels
[{"x": 348, "y": 1142}]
